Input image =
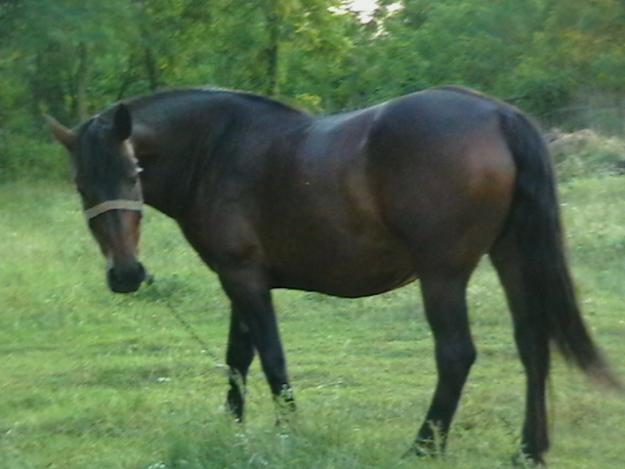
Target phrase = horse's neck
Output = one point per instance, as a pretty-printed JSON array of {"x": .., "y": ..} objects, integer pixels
[
  {"x": 177, "y": 161},
  {"x": 168, "y": 166},
  {"x": 176, "y": 152}
]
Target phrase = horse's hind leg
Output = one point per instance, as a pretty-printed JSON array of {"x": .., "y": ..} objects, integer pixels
[
  {"x": 533, "y": 345},
  {"x": 444, "y": 297}
]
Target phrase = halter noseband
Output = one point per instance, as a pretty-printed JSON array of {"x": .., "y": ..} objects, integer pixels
[{"x": 118, "y": 204}]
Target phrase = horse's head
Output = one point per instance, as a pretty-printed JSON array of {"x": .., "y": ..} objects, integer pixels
[{"x": 107, "y": 178}]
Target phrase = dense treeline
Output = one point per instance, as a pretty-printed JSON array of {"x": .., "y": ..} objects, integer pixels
[{"x": 70, "y": 58}]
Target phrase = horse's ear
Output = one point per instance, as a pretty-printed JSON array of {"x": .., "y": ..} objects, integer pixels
[
  {"x": 122, "y": 122},
  {"x": 64, "y": 135}
]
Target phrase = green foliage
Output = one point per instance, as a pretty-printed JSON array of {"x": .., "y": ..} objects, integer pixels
[
  {"x": 95, "y": 379},
  {"x": 71, "y": 58},
  {"x": 30, "y": 159},
  {"x": 586, "y": 153}
]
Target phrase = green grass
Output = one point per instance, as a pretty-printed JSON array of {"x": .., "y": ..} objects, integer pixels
[{"x": 91, "y": 379}]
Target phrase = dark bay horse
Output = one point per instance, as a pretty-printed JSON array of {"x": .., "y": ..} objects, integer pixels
[{"x": 350, "y": 205}]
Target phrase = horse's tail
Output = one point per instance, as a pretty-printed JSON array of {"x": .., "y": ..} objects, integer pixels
[{"x": 534, "y": 222}]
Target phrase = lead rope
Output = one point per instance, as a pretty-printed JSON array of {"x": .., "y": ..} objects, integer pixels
[{"x": 232, "y": 374}]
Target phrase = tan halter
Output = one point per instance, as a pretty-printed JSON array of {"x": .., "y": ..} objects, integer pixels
[{"x": 118, "y": 204}]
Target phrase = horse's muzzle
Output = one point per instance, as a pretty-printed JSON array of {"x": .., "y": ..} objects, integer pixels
[{"x": 126, "y": 279}]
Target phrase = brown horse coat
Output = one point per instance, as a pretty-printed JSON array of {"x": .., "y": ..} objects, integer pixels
[{"x": 351, "y": 205}]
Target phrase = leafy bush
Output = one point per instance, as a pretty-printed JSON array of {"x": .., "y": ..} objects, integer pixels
[
  {"x": 586, "y": 153},
  {"x": 22, "y": 156}
]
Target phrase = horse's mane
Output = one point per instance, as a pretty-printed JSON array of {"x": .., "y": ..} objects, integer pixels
[{"x": 164, "y": 94}]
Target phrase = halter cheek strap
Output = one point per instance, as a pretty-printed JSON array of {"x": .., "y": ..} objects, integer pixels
[{"x": 118, "y": 204}]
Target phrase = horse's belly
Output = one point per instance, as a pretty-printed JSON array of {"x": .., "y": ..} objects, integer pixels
[{"x": 353, "y": 271}]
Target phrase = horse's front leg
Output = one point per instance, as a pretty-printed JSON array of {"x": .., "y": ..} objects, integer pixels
[
  {"x": 256, "y": 322},
  {"x": 239, "y": 356}
]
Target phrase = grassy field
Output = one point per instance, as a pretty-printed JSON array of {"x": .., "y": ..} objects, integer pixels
[{"x": 91, "y": 379}]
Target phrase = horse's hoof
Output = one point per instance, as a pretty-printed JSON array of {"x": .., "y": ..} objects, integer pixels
[
  {"x": 286, "y": 419},
  {"x": 422, "y": 449},
  {"x": 237, "y": 418},
  {"x": 235, "y": 409},
  {"x": 523, "y": 459},
  {"x": 285, "y": 408}
]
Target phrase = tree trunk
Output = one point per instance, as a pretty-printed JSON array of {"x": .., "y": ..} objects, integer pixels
[
  {"x": 151, "y": 69},
  {"x": 127, "y": 78},
  {"x": 47, "y": 83},
  {"x": 272, "y": 50},
  {"x": 81, "y": 83}
]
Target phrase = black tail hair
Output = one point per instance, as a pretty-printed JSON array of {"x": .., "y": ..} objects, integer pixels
[{"x": 535, "y": 221}]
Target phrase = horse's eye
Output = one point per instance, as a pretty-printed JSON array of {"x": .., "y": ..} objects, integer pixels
[{"x": 133, "y": 177}]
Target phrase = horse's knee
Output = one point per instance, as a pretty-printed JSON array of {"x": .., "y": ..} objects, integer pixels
[
  {"x": 456, "y": 358},
  {"x": 462, "y": 352}
]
